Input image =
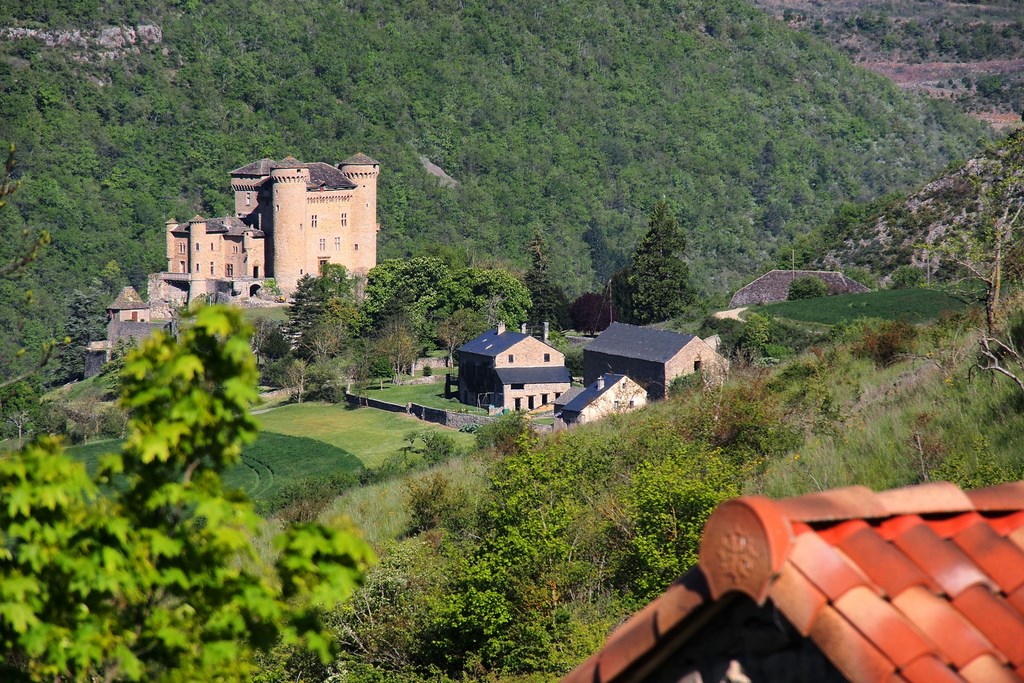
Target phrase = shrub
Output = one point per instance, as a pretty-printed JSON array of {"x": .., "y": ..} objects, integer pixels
[
  {"x": 428, "y": 371},
  {"x": 907, "y": 277},
  {"x": 883, "y": 344},
  {"x": 437, "y": 446},
  {"x": 432, "y": 500},
  {"x": 807, "y": 287}
]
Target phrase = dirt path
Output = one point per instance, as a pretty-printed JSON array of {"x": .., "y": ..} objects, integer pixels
[{"x": 731, "y": 314}]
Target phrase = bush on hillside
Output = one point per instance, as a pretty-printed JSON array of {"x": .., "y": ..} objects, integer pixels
[
  {"x": 886, "y": 342},
  {"x": 807, "y": 287},
  {"x": 907, "y": 277}
]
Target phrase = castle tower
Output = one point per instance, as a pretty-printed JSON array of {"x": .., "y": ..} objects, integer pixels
[
  {"x": 196, "y": 241},
  {"x": 173, "y": 258},
  {"x": 363, "y": 171},
  {"x": 287, "y": 253}
]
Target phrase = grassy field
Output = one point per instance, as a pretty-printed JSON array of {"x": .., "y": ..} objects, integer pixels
[
  {"x": 430, "y": 395},
  {"x": 911, "y": 305},
  {"x": 306, "y": 440},
  {"x": 277, "y": 313}
]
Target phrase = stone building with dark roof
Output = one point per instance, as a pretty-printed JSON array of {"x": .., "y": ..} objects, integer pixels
[
  {"x": 607, "y": 395},
  {"x": 774, "y": 286},
  {"x": 510, "y": 370},
  {"x": 923, "y": 584},
  {"x": 130, "y": 320},
  {"x": 650, "y": 357},
  {"x": 290, "y": 219}
]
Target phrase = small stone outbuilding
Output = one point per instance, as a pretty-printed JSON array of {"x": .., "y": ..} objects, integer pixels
[
  {"x": 652, "y": 358},
  {"x": 774, "y": 286},
  {"x": 917, "y": 585},
  {"x": 130, "y": 320},
  {"x": 609, "y": 394}
]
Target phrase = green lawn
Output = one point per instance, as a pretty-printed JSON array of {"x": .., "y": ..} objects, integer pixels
[
  {"x": 306, "y": 440},
  {"x": 277, "y": 313},
  {"x": 430, "y": 395},
  {"x": 911, "y": 305}
]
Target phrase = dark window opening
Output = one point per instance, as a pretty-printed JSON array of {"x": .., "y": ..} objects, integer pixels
[
  {"x": 547, "y": 357},
  {"x": 518, "y": 386},
  {"x": 529, "y": 402},
  {"x": 519, "y": 404},
  {"x": 696, "y": 366},
  {"x": 543, "y": 399},
  {"x": 511, "y": 358}
]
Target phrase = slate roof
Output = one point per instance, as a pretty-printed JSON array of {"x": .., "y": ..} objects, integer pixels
[
  {"x": 490, "y": 343},
  {"x": 547, "y": 374},
  {"x": 920, "y": 584},
  {"x": 644, "y": 343},
  {"x": 128, "y": 299},
  {"x": 592, "y": 393},
  {"x": 360, "y": 159},
  {"x": 774, "y": 286},
  {"x": 229, "y": 225},
  {"x": 567, "y": 396},
  {"x": 321, "y": 175}
]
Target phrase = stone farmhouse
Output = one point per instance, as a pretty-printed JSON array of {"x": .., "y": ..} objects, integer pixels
[
  {"x": 290, "y": 219},
  {"x": 511, "y": 370},
  {"x": 129, "y": 319},
  {"x": 651, "y": 358},
  {"x": 919, "y": 585},
  {"x": 609, "y": 394},
  {"x": 774, "y": 286}
]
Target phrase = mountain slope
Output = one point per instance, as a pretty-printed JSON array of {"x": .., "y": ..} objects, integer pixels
[{"x": 574, "y": 118}]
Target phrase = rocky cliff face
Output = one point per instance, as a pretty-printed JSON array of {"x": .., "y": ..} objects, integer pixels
[{"x": 109, "y": 43}]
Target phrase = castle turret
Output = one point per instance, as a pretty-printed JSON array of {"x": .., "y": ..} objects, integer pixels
[
  {"x": 173, "y": 258},
  {"x": 196, "y": 240},
  {"x": 288, "y": 232},
  {"x": 363, "y": 171}
]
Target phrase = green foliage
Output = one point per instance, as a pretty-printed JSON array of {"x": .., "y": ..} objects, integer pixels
[
  {"x": 549, "y": 303},
  {"x": 504, "y": 434},
  {"x": 660, "y": 278},
  {"x": 907, "y": 277},
  {"x": 807, "y": 287},
  {"x": 559, "y": 131},
  {"x": 143, "y": 583},
  {"x": 912, "y": 305}
]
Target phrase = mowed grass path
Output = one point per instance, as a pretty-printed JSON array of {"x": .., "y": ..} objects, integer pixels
[
  {"x": 306, "y": 440},
  {"x": 910, "y": 305}
]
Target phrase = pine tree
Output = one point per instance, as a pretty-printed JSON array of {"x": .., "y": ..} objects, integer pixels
[
  {"x": 549, "y": 301},
  {"x": 660, "y": 279}
]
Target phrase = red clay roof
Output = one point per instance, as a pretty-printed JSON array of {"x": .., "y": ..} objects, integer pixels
[{"x": 919, "y": 584}]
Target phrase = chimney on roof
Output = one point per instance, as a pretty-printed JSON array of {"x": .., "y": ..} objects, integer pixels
[
  {"x": 522, "y": 328},
  {"x": 545, "y": 332},
  {"x": 600, "y": 383},
  {"x": 501, "y": 327}
]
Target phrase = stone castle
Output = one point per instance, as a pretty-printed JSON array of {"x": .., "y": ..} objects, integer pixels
[{"x": 290, "y": 219}]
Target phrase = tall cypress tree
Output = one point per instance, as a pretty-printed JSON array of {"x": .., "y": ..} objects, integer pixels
[
  {"x": 660, "y": 279},
  {"x": 549, "y": 301}
]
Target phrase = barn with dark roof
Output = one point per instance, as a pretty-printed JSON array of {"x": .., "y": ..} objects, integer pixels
[{"x": 652, "y": 358}]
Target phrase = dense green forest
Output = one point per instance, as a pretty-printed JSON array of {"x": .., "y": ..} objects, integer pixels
[{"x": 567, "y": 119}]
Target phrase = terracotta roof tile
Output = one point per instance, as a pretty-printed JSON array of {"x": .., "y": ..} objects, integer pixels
[
  {"x": 929, "y": 669},
  {"x": 953, "y": 635},
  {"x": 883, "y": 625},
  {"x": 993, "y": 554},
  {"x": 920, "y": 584},
  {"x": 988, "y": 669},
  {"x": 853, "y": 654},
  {"x": 995, "y": 619}
]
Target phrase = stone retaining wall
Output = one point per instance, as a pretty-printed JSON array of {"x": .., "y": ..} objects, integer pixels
[{"x": 445, "y": 418}]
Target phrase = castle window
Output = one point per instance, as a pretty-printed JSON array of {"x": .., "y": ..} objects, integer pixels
[
  {"x": 248, "y": 198},
  {"x": 181, "y": 247},
  {"x": 229, "y": 270},
  {"x": 197, "y": 267},
  {"x": 211, "y": 246},
  {"x": 357, "y": 247},
  {"x": 323, "y": 244},
  {"x": 344, "y": 220},
  {"x": 211, "y": 268},
  {"x": 234, "y": 248},
  {"x": 312, "y": 221},
  {"x": 197, "y": 246},
  {"x": 337, "y": 244}
]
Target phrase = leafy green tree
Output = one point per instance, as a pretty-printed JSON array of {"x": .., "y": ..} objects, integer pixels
[
  {"x": 319, "y": 298},
  {"x": 148, "y": 581},
  {"x": 86, "y": 323},
  {"x": 807, "y": 287},
  {"x": 458, "y": 328},
  {"x": 660, "y": 278},
  {"x": 907, "y": 277}
]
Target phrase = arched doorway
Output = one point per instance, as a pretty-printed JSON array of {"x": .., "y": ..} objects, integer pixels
[{"x": 254, "y": 290}]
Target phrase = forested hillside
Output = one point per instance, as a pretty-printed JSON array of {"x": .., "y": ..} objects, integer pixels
[{"x": 571, "y": 118}]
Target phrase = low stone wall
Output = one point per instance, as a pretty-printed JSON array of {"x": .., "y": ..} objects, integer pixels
[{"x": 445, "y": 418}]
